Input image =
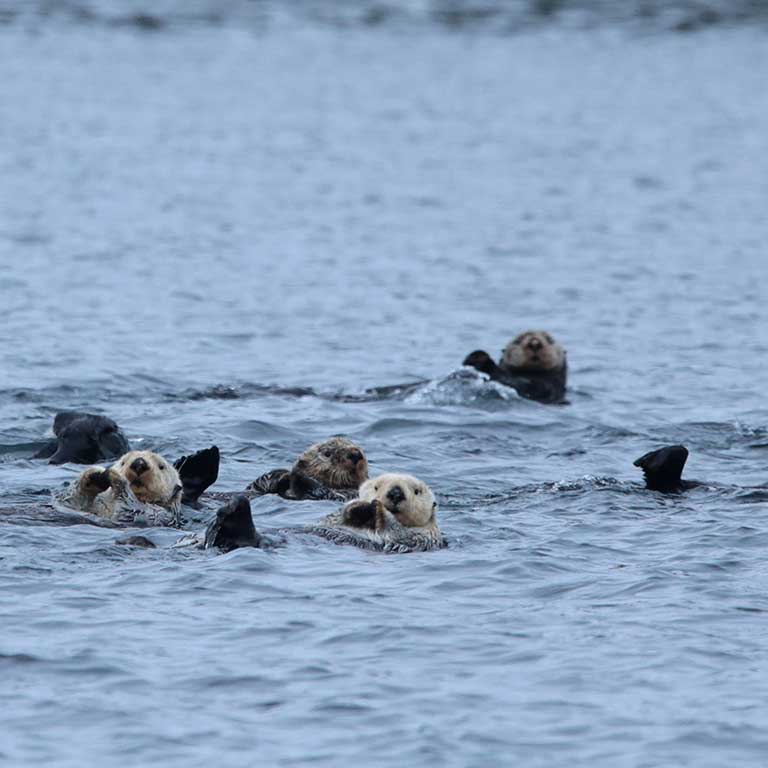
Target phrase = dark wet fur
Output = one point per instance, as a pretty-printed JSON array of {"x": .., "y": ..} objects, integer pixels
[
  {"x": 663, "y": 469},
  {"x": 295, "y": 485},
  {"x": 541, "y": 386},
  {"x": 83, "y": 438}
]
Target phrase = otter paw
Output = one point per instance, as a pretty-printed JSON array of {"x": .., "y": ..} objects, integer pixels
[
  {"x": 363, "y": 514},
  {"x": 94, "y": 481}
]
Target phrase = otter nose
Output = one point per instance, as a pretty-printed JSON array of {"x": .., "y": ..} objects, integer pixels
[
  {"x": 395, "y": 494},
  {"x": 534, "y": 345},
  {"x": 355, "y": 457},
  {"x": 139, "y": 466}
]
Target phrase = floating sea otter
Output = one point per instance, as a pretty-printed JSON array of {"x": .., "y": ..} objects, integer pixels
[
  {"x": 394, "y": 513},
  {"x": 83, "y": 438},
  {"x": 533, "y": 363},
  {"x": 143, "y": 487},
  {"x": 332, "y": 469}
]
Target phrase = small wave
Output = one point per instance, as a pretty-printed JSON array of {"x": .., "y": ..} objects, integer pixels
[{"x": 462, "y": 387}]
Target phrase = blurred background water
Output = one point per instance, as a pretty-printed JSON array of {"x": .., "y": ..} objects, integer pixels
[{"x": 207, "y": 203}]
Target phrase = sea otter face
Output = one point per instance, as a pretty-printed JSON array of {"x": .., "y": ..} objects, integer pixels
[
  {"x": 336, "y": 463},
  {"x": 533, "y": 351},
  {"x": 409, "y": 499},
  {"x": 152, "y": 479}
]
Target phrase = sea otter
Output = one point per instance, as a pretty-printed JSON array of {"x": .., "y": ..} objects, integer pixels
[
  {"x": 83, "y": 438},
  {"x": 332, "y": 469},
  {"x": 533, "y": 363},
  {"x": 394, "y": 513},
  {"x": 143, "y": 487}
]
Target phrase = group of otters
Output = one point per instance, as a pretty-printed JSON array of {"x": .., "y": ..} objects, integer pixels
[{"x": 391, "y": 512}]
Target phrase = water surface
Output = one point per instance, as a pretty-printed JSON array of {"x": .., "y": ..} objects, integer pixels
[{"x": 196, "y": 216}]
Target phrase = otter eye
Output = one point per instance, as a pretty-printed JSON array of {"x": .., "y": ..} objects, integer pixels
[
  {"x": 327, "y": 454},
  {"x": 161, "y": 466},
  {"x": 417, "y": 491},
  {"x": 549, "y": 339},
  {"x": 375, "y": 487}
]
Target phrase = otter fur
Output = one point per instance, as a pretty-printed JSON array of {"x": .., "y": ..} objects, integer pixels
[
  {"x": 331, "y": 469},
  {"x": 141, "y": 487},
  {"x": 533, "y": 364},
  {"x": 394, "y": 513},
  {"x": 83, "y": 438}
]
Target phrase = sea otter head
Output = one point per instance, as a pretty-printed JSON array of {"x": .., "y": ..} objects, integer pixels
[
  {"x": 336, "y": 463},
  {"x": 533, "y": 351},
  {"x": 409, "y": 499},
  {"x": 152, "y": 479}
]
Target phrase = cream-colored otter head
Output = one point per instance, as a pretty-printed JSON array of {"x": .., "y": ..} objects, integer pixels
[
  {"x": 409, "y": 499},
  {"x": 336, "y": 463},
  {"x": 153, "y": 479},
  {"x": 533, "y": 351}
]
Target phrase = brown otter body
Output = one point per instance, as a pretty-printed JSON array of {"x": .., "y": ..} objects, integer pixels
[
  {"x": 533, "y": 364},
  {"x": 331, "y": 469}
]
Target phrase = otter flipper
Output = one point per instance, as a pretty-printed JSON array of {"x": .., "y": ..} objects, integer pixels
[
  {"x": 663, "y": 468},
  {"x": 233, "y": 527},
  {"x": 198, "y": 472}
]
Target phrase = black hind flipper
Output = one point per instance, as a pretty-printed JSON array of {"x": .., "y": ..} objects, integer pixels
[
  {"x": 233, "y": 527},
  {"x": 663, "y": 468},
  {"x": 198, "y": 472}
]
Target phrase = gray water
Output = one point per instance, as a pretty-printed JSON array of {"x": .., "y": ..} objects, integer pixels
[{"x": 198, "y": 216}]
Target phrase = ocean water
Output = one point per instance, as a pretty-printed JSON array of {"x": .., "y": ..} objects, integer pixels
[{"x": 214, "y": 224}]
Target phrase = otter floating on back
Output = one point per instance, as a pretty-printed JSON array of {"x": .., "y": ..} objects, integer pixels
[
  {"x": 143, "y": 487},
  {"x": 331, "y": 469},
  {"x": 394, "y": 513},
  {"x": 533, "y": 364}
]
